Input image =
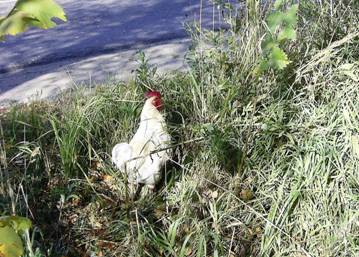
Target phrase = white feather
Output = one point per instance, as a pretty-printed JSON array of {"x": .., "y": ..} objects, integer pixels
[{"x": 121, "y": 153}]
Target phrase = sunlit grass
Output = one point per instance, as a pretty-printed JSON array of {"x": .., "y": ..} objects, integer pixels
[{"x": 262, "y": 166}]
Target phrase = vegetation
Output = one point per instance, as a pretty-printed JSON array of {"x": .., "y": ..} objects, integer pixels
[
  {"x": 281, "y": 27},
  {"x": 11, "y": 227},
  {"x": 265, "y": 164},
  {"x": 27, "y": 13}
]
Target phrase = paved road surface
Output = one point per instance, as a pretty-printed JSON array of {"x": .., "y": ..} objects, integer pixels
[{"x": 100, "y": 38}]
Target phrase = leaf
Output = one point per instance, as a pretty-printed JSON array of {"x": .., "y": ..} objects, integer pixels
[
  {"x": 10, "y": 242},
  {"x": 268, "y": 43},
  {"x": 42, "y": 10},
  {"x": 287, "y": 33},
  {"x": 107, "y": 178},
  {"x": 19, "y": 224},
  {"x": 262, "y": 66},
  {"x": 214, "y": 194},
  {"x": 186, "y": 251},
  {"x": 15, "y": 23},
  {"x": 172, "y": 232},
  {"x": 290, "y": 17},
  {"x": 287, "y": 20},
  {"x": 274, "y": 20},
  {"x": 246, "y": 195},
  {"x": 278, "y": 58},
  {"x": 201, "y": 247},
  {"x": 38, "y": 13},
  {"x": 279, "y": 3}
]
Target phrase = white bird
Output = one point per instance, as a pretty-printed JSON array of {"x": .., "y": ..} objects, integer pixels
[{"x": 144, "y": 156}]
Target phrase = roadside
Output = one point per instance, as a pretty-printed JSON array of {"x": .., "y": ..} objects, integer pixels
[
  {"x": 99, "y": 40},
  {"x": 49, "y": 79}
]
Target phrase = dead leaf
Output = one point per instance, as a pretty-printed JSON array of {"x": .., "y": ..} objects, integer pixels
[
  {"x": 214, "y": 194},
  {"x": 246, "y": 195},
  {"x": 107, "y": 178},
  {"x": 96, "y": 165}
]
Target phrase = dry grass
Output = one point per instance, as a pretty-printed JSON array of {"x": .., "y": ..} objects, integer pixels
[{"x": 276, "y": 173}]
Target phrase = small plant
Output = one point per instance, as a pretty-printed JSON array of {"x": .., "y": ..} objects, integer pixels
[
  {"x": 145, "y": 74},
  {"x": 281, "y": 27}
]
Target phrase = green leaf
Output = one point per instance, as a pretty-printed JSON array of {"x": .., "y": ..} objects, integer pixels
[
  {"x": 279, "y": 3},
  {"x": 184, "y": 248},
  {"x": 262, "y": 66},
  {"x": 287, "y": 33},
  {"x": 268, "y": 43},
  {"x": 26, "y": 13},
  {"x": 10, "y": 242},
  {"x": 42, "y": 10},
  {"x": 275, "y": 58},
  {"x": 201, "y": 247},
  {"x": 278, "y": 58},
  {"x": 19, "y": 224},
  {"x": 15, "y": 23},
  {"x": 274, "y": 20},
  {"x": 290, "y": 16},
  {"x": 172, "y": 232}
]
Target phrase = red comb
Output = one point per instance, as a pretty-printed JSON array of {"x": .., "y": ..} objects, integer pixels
[
  {"x": 152, "y": 93},
  {"x": 157, "y": 102}
]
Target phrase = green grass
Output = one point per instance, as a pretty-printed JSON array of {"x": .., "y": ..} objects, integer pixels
[{"x": 263, "y": 165}]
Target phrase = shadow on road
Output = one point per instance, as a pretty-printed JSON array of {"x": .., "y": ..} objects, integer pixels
[{"x": 96, "y": 28}]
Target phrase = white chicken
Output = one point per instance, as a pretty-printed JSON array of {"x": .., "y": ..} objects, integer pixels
[{"x": 144, "y": 156}]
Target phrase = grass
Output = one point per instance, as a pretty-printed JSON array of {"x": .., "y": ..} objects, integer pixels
[{"x": 263, "y": 165}]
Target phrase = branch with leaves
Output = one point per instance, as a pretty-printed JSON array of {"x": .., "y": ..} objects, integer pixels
[
  {"x": 281, "y": 27},
  {"x": 30, "y": 13}
]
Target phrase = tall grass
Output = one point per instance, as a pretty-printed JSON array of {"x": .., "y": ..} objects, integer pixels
[{"x": 263, "y": 165}]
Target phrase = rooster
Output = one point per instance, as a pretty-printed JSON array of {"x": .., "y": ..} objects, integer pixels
[{"x": 144, "y": 156}]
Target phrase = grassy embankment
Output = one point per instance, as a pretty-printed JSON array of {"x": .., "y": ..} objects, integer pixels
[{"x": 276, "y": 173}]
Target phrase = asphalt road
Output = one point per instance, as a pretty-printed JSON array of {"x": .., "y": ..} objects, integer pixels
[{"x": 95, "y": 28}]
